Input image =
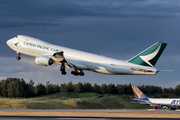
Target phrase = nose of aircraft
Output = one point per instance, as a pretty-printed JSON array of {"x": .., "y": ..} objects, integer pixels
[
  {"x": 8, "y": 42},
  {"x": 11, "y": 42}
]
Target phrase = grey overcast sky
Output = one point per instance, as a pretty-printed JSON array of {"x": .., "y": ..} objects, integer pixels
[{"x": 114, "y": 28}]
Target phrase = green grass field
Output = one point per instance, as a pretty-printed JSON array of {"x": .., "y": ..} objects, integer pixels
[
  {"x": 74, "y": 101},
  {"x": 119, "y": 102}
]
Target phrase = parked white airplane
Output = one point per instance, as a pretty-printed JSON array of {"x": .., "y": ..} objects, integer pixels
[
  {"x": 46, "y": 54},
  {"x": 164, "y": 103}
]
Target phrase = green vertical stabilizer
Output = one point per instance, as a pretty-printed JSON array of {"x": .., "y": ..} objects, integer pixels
[{"x": 150, "y": 56}]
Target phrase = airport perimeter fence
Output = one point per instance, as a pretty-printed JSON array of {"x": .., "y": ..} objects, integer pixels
[
  {"x": 56, "y": 96},
  {"x": 41, "y": 98}
]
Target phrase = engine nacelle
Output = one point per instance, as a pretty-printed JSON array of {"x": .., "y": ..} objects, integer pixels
[
  {"x": 44, "y": 61},
  {"x": 157, "y": 106},
  {"x": 173, "y": 107}
]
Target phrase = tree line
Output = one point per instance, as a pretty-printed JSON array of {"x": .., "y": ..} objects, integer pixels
[{"x": 16, "y": 87}]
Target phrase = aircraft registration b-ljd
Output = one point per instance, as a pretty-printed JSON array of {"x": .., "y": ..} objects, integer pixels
[{"x": 47, "y": 54}]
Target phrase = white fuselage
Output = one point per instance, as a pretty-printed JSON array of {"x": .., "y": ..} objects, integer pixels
[
  {"x": 83, "y": 60},
  {"x": 163, "y": 101}
]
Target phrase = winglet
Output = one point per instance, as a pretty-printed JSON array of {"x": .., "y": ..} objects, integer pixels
[{"x": 150, "y": 56}]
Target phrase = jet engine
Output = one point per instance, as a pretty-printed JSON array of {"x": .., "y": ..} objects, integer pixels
[
  {"x": 173, "y": 107},
  {"x": 157, "y": 106},
  {"x": 44, "y": 61}
]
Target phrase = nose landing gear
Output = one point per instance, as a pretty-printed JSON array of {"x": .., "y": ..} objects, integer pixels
[{"x": 18, "y": 57}]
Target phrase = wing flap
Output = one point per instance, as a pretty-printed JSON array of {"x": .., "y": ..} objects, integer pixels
[{"x": 76, "y": 64}]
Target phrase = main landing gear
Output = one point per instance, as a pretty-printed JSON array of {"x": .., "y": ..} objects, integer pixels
[
  {"x": 77, "y": 72},
  {"x": 18, "y": 57},
  {"x": 62, "y": 69}
]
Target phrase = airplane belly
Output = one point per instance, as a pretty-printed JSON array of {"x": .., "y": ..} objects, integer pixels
[
  {"x": 95, "y": 67},
  {"x": 120, "y": 70},
  {"x": 111, "y": 69}
]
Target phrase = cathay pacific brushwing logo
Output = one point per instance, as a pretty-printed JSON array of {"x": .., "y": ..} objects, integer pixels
[
  {"x": 149, "y": 57},
  {"x": 16, "y": 44}
]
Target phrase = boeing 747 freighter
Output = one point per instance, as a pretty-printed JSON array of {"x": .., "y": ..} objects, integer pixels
[{"x": 47, "y": 54}]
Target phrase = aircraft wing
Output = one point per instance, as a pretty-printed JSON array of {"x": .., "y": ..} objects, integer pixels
[
  {"x": 76, "y": 63},
  {"x": 70, "y": 63},
  {"x": 58, "y": 57}
]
